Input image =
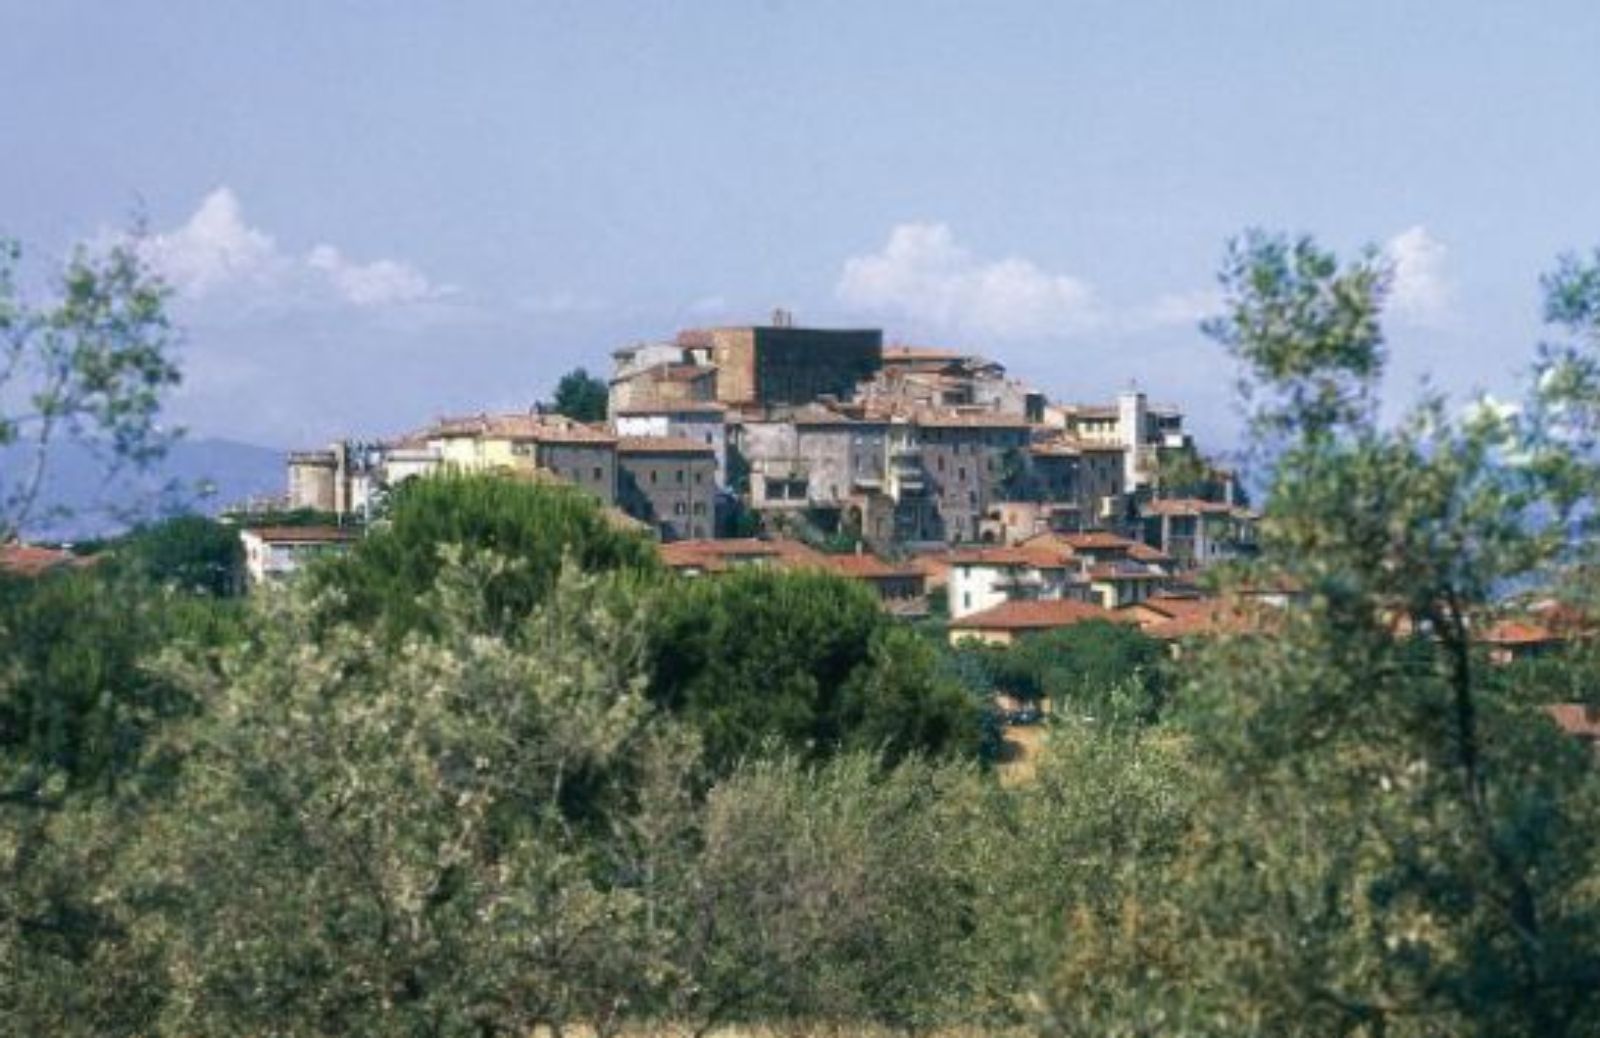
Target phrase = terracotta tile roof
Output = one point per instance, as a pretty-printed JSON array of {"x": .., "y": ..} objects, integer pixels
[
  {"x": 1173, "y": 606},
  {"x": 1095, "y": 540},
  {"x": 1145, "y": 553},
  {"x": 1216, "y": 618},
  {"x": 926, "y": 354},
  {"x": 1022, "y": 555},
  {"x": 714, "y": 556},
  {"x": 539, "y": 428},
  {"x": 1518, "y": 632},
  {"x": 27, "y": 560},
  {"x": 662, "y": 445},
  {"x": 304, "y": 534},
  {"x": 949, "y": 419},
  {"x": 1187, "y": 506},
  {"x": 1094, "y": 410},
  {"x": 817, "y": 414},
  {"x": 1031, "y": 614},
  {"x": 1578, "y": 719},
  {"x": 867, "y": 567}
]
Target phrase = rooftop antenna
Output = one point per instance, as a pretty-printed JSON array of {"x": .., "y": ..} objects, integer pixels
[{"x": 782, "y": 318}]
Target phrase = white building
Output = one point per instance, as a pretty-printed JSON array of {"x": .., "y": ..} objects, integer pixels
[
  {"x": 982, "y": 578},
  {"x": 276, "y": 553}
]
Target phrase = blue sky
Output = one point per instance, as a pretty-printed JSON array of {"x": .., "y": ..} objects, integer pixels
[{"x": 377, "y": 212}]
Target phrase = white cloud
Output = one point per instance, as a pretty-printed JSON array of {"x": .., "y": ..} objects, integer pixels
[
  {"x": 1181, "y": 309},
  {"x": 925, "y": 277},
  {"x": 1421, "y": 292},
  {"x": 380, "y": 283},
  {"x": 216, "y": 250}
]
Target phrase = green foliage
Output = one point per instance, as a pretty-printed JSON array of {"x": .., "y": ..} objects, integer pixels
[
  {"x": 581, "y": 396},
  {"x": 1572, "y": 294},
  {"x": 389, "y": 574},
  {"x": 77, "y": 704},
  {"x": 378, "y": 840},
  {"x": 1305, "y": 330},
  {"x": 189, "y": 553},
  {"x": 800, "y": 660},
  {"x": 1392, "y": 844},
  {"x": 1109, "y": 671},
  {"x": 92, "y": 366},
  {"x": 85, "y": 751},
  {"x": 837, "y": 927},
  {"x": 1076, "y": 935},
  {"x": 290, "y": 517}
]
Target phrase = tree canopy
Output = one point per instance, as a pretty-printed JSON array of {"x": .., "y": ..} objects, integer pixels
[
  {"x": 581, "y": 396},
  {"x": 90, "y": 365}
]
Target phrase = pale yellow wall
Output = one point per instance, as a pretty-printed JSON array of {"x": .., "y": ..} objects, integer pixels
[
  {"x": 473, "y": 455},
  {"x": 1000, "y": 638}
]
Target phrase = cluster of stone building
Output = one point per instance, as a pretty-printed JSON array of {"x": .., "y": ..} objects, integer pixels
[{"x": 898, "y": 446}]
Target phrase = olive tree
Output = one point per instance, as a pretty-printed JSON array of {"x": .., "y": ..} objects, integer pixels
[{"x": 89, "y": 366}]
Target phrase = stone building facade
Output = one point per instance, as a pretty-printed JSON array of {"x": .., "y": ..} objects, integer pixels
[
  {"x": 968, "y": 461},
  {"x": 697, "y": 421},
  {"x": 669, "y": 483},
  {"x": 780, "y": 365}
]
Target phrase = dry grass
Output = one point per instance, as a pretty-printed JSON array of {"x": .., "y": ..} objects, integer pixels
[{"x": 1019, "y": 753}]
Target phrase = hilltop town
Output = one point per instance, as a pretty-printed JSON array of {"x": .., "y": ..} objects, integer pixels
[{"x": 906, "y": 466}]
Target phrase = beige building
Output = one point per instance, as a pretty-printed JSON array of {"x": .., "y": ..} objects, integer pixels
[{"x": 573, "y": 451}]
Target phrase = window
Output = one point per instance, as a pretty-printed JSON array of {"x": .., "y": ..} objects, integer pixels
[
  {"x": 652, "y": 476},
  {"x": 961, "y": 473},
  {"x": 966, "y": 600},
  {"x": 678, "y": 509},
  {"x": 699, "y": 508},
  {"x": 599, "y": 473},
  {"x": 699, "y": 478},
  {"x": 680, "y": 475}
]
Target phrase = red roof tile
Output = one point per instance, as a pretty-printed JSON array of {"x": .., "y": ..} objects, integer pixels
[
  {"x": 1578, "y": 719},
  {"x": 1518, "y": 632},
  {"x": 534, "y": 427},
  {"x": 1031, "y": 614},
  {"x": 27, "y": 560},
  {"x": 866, "y": 567},
  {"x": 1035, "y": 557}
]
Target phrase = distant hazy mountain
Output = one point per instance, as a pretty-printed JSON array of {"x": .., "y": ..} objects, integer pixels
[{"x": 197, "y": 475}]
